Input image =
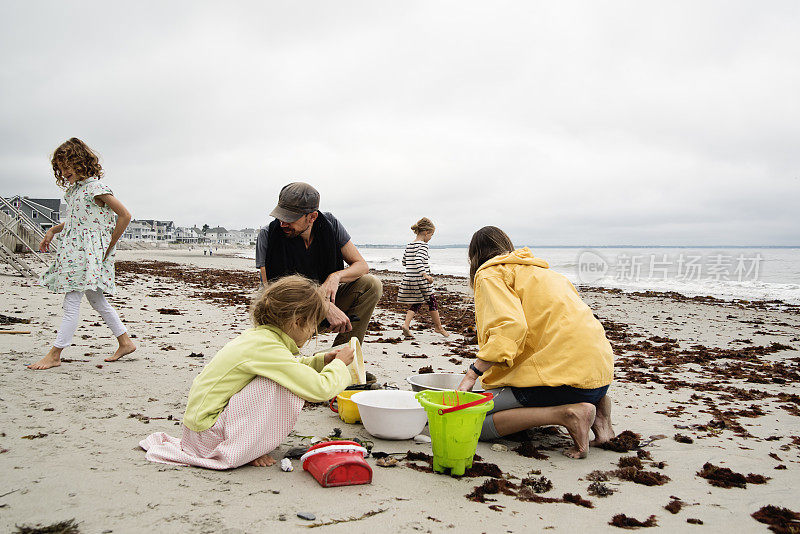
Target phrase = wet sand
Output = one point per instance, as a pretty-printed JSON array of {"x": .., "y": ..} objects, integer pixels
[{"x": 702, "y": 385}]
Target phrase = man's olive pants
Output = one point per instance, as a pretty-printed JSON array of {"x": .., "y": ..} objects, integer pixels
[{"x": 358, "y": 298}]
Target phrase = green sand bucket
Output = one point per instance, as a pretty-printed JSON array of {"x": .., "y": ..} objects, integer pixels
[{"x": 455, "y": 419}]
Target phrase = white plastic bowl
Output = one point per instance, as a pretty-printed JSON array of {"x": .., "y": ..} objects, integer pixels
[{"x": 390, "y": 414}]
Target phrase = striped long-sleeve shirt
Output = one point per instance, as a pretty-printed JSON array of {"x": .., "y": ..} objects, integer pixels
[{"x": 414, "y": 288}]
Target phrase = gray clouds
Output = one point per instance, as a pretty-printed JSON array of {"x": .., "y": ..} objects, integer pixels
[{"x": 564, "y": 123}]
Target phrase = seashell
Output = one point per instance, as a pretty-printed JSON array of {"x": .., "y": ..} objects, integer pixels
[{"x": 286, "y": 465}]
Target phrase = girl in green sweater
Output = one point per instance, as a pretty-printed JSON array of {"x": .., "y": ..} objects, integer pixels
[{"x": 248, "y": 397}]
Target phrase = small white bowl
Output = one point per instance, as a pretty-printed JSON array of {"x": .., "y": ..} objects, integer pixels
[{"x": 390, "y": 414}]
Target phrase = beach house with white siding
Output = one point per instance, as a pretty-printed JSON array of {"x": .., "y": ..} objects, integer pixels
[{"x": 46, "y": 212}]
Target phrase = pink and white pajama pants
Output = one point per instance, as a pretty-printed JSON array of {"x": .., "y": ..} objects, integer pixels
[{"x": 256, "y": 420}]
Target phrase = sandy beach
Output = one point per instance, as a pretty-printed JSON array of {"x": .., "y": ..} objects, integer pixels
[{"x": 724, "y": 377}]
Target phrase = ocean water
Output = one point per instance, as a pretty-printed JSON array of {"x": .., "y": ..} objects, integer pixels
[{"x": 728, "y": 273}]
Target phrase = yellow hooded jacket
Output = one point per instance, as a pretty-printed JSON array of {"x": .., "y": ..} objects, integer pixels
[{"x": 533, "y": 324}]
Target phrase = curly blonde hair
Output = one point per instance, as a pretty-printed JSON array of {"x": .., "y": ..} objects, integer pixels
[
  {"x": 76, "y": 154},
  {"x": 288, "y": 301},
  {"x": 423, "y": 225}
]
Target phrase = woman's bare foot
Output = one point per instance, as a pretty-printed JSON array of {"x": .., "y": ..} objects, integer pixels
[
  {"x": 407, "y": 332},
  {"x": 52, "y": 359},
  {"x": 263, "y": 461},
  {"x": 579, "y": 419},
  {"x": 442, "y": 331},
  {"x": 126, "y": 346},
  {"x": 603, "y": 431}
]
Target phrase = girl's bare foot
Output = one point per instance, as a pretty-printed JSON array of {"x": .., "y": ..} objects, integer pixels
[
  {"x": 263, "y": 461},
  {"x": 442, "y": 331},
  {"x": 51, "y": 359},
  {"x": 126, "y": 346},
  {"x": 407, "y": 332},
  {"x": 579, "y": 419}
]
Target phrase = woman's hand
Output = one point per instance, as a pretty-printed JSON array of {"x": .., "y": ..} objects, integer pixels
[
  {"x": 44, "y": 246},
  {"x": 429, "y": 278},
  {"x": 345, "y": 354},
  {"x": 108, "y": 252},
  {"x": 468, "y": 382}
]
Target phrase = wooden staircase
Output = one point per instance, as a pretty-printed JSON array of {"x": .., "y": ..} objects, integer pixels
[{"x": 19, "y": 233}]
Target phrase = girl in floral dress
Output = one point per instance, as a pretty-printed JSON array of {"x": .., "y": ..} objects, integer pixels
[{"x": 84, "y": 262}]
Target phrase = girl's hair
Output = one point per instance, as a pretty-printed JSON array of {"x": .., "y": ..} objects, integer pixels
[
  {"x": 486, "y": 243},
  {"x": 423, "y": 225},
  {"x": 76, "y": 154},
  {"x": 287, "y": 301}
]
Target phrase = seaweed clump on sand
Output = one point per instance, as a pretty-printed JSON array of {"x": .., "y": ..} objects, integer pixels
[
  {"x": 624, "y": 442},
  {"x": 724, "y": 477},
  {"x": 478, "y": 469},
  {"x": 492, "y": 486},
  {"x": 597, "y": 476},
  {"x": 63, "y": 527},
  {"x": 674, "y": 506},
  {"x": 630, "y": 461},
  {"x": 527, "y": 449},
  {"x": 483, "y": 469},
  {"x": 640, "y": 476},
  {"x": 623, "y": 521},
  {"x": 575, "y": 498},
  {"x": 780, "y": 520},
  {"x": 598, "y": 489},
  {"x": 522, "y": 493},
  {"x": 7, "y": 319},
  {"x": 538, "y": 485}
]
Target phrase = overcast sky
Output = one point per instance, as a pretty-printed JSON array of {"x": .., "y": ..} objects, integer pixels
[{"x": 564, "y": 123}]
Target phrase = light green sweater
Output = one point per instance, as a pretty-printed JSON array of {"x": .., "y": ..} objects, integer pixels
[{"x": 262, "y": 351}]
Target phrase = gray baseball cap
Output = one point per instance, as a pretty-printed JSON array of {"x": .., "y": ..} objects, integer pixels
[{"x": 294, "y": 201}]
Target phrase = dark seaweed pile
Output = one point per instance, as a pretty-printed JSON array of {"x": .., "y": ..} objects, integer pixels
[
  {"x": 623, "y": 521},
  {"x": 724, "y": 477},
  {"x": 780, "y": 520}
]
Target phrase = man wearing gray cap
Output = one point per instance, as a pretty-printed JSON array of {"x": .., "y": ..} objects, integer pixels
[{"x": 302, "y": 240}]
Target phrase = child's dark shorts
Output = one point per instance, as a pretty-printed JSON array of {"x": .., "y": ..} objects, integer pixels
[{"x": 433, "y": 305}]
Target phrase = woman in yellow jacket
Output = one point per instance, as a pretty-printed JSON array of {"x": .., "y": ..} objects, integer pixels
[{"x": 542, "y": 352}]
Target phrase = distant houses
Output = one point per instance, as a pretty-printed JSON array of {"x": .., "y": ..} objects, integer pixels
[
  {"x": 46, "y": 212},
  {"x": 222, "y": 236},
  {"x": 149, "y": 230}
]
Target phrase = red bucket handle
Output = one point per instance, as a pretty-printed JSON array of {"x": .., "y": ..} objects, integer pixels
[
  {"x": 331, "y": 405},
  {"x": 486, "y": 398}
]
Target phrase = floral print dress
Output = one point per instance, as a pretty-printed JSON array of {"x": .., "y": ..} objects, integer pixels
[{"x": 87, "y": 232}]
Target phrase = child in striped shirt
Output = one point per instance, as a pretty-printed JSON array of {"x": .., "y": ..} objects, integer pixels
[{"x": 417, "y": 285}]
